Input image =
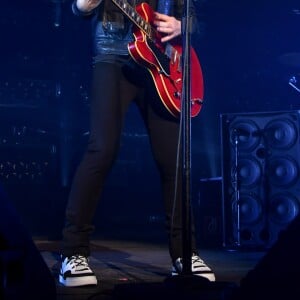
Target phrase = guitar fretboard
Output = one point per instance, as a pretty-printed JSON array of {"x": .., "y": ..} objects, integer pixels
[
  {"x": 131, "y": 13},
  {"x": 145, "y": 26}
]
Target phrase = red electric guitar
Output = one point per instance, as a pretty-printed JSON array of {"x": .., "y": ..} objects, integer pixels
[{"x": 162, "y": 61}]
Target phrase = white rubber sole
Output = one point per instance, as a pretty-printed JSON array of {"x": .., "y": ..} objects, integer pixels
[{"x": 78, "y": 281}]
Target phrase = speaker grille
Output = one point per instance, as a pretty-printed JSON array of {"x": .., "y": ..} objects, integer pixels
[{"x": 260, "y": 172}]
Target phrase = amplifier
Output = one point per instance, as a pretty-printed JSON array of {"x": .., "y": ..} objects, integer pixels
[{"x": 208, "y": 212}]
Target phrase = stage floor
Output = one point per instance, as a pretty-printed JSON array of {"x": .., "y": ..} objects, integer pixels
[{"x": 141, "y": 270}]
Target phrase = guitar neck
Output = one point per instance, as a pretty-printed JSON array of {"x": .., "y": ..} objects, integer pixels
[{"x": 131, "y": 13}]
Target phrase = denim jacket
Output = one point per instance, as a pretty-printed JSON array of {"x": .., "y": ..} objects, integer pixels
[{"x": 111, "y": 29}]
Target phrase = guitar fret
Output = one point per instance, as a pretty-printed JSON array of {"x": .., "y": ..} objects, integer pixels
[{"x": 134, "y": 16}]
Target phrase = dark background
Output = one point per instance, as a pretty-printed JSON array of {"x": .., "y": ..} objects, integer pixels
[{"x": 248, "y": 51}]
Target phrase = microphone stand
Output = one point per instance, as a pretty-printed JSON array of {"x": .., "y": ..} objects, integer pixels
[
  {"x": 186, "y": 141},
  {"x": 185, "y": 116},
  {"x": 186, "y": 277}
]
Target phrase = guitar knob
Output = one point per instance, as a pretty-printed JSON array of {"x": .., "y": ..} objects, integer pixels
[{"x": 177, "y": 94}]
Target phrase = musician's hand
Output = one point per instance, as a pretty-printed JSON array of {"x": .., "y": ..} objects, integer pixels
[
  {"x": 87, "y": 5},
  {"x": 169, "y": 26}
]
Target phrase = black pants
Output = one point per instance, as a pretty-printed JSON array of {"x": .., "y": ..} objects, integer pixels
[{"x": 112, "y": 93}]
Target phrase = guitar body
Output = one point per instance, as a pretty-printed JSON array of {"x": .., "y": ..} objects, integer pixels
[{"x": 166, "y": 71}]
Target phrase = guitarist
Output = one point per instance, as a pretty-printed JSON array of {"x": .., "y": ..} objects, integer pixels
[{"x": 117, "y": 82}]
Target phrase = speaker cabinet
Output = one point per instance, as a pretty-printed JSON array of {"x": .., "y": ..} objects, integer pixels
[{"x": 260, "y": 170}]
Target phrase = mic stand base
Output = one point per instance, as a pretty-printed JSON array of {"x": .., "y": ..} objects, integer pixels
[
  {"x": 188, "y": 281},
  {"x": 197, "y": 287}
]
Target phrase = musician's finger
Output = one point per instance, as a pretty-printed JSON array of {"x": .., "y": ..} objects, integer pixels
[
  {"x": 166, "y": 38},
  {"x": 159, "y": 16},
  {"x": 164, "y": 29},
  {"x": 161, "y": 24}
]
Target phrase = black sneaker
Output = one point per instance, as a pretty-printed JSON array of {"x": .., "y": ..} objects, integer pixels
[
  {"x": 75, "y": 271},
  {"x": 199, "y": 268}
]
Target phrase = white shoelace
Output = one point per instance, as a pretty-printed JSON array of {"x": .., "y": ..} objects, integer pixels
[{"x": 78, "y": 262}]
